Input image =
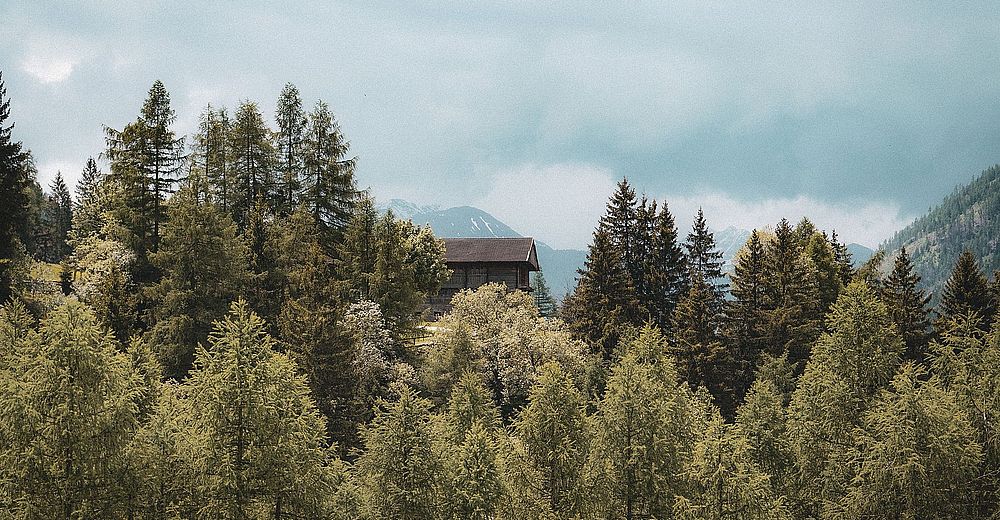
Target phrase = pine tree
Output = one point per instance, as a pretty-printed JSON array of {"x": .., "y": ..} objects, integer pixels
[
  {"x": 329, "y": 190},
  {"x": 665, "y": 270},
  {"x": 553, "y": 430},
  {"x": 604, "y": 301},
  {"x": 291, "y": 119},
  {"x": 253, "y": 159},
  {"x": 967, "y": 290},
  {"x": 204, "y": 266},
  {"x": 704, "y": 260},
  {"x": 908, "y": 306},
  {"x": 14, "y": 181},
  {"x": 543, "y": 298},
  {"x": 746, "y": 312}
]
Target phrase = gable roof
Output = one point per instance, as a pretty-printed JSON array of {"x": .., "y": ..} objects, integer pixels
[{"x": 468, "y": 250}]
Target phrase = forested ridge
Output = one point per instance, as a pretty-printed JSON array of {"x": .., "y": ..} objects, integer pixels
[
  {"x": 235, "y": 332},
  {"x": 967, "y": 219}
]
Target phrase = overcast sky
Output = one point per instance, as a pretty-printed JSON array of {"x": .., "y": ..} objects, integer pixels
[{"x": 859, "y": 116}]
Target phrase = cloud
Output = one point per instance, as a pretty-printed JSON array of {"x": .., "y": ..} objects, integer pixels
[
  {"x": 48, "y": 69},
  {"x": 560, "y": 204}
]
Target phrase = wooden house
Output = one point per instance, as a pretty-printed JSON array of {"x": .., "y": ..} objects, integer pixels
[{"x": 477, "y": 261}]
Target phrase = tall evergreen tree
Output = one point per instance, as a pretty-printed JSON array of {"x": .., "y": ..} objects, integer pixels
[
  {"x": 620, "y": 221},
  {"x": 604, "y": 301},
  {"x": 908, "y": 306},
  {"x": 329, "y": 190},
  {"x": 793, "y": 319},
  {"x": 665, "y": 270},
  {"x": 967, "y": 290},
  {"x": 89, "y": 210},
  {"x": 253, "y": 159},
  {"x": 704, "y": 260},
  {"x": 62, "y": 218},
  {"x": 702, "y": 358},
  {"x": 212, "y": 156},
  {"x": 842, "y": 257},
  {"x": 746, "y": 313},
  {"x": 543, "y": 297},
  {"x": 291, "y": 119},
  {"x": 204, "y": 266},
  {"x": 14, "y": 181}
]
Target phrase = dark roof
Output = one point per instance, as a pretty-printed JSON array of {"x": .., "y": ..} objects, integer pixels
[{"x": 468, "y": 250}]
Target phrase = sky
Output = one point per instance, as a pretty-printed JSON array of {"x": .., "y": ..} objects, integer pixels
[{"x": 858, "y": 116}]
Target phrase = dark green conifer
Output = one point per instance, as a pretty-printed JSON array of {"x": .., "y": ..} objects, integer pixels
[
  {"x": 703, "y": 259},
  {"x": 665, "y": 270},
  {"x": 543, "y": 297},
  {"x": 907, "y": 305},
  {"x": 62, "y": 218},
  {"x": 291, "y": 119},
  {"x": 745, "y": 329},
  {"x": 253, "y": 160},
  {"x": 14, "y": 181},
  {"x": 967, "y": 290},
  {"x": 329, "y": 190},
  {"x": 793, "y": 320}
]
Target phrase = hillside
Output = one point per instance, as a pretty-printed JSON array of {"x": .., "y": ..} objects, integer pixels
[{"x": 969, "y": 218}]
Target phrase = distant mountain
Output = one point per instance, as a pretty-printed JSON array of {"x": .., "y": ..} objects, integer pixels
[
  {"x": 558, "y": 265},
  {"x": 969, "y": 218}
]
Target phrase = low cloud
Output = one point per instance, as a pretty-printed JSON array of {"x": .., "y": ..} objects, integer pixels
[{"x": 560, "y": 204}]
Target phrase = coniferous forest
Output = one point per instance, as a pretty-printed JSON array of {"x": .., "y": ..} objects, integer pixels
[{"x": 222, "y": 325}]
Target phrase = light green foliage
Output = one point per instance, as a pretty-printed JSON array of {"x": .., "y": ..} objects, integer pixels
[
  {"x": 264, "y": 449},
  {"x": 499, "y": 334},
  {"x": 400, "y": 472},
  {"x": 643, "y": 435},
  {"x": 104, "y": 281},
  {"x": 849, "y": 365},
  {"x": 916, "y": 456},
  {"x": 552, "y": 429},
  {"x": 68, "y": 410},
  {"x": 725, "y": 481},
  {"x": 763, "y": 421}
]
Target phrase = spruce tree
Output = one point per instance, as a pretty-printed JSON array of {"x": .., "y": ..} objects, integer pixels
[
  {"x": 967, "y": 290},
  {"x": 14, "y": 181},
  {"x": 746, "y": 313},
  {"x": 620, "y": 222},
  {"x": 842, "y": 258},
  {"x": 62, "y": 221},
  {"x": 204, "y": 266},
  {"x": 704, "y": 260},
  {"x": 604, "y": 301},
  {"x": 543, "y": 297},
  {"x": 291, "y": 120},
  {"x": 908, "y": 306},
  {"x": 793, "y": 319},
  {"x": 162, "y": 162},
  {"x": 665, "y": 270},
  {"x": 702, "y": 358},
  {"x": 89, "y": 210},
  {"x": 212, "y": 156}
]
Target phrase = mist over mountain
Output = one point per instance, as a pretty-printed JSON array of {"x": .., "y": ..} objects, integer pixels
[{"x": 559, "y": 265}]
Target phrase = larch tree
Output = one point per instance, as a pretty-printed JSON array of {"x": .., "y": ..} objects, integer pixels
[
  {"x": 553, "y": 430},
  {"x": 291, "y": 120},
  {"x": 211, "y": 155},
  {"x": 68, "y": 412},
  {"x": 264, "y": 450},
  {"x": 328, "y": 187}
]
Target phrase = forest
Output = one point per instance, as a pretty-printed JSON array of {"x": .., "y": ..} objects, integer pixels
[{"x": 223, "y": 326}]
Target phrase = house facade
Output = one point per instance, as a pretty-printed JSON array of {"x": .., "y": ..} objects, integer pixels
[{"x": 477, "y": 261}]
